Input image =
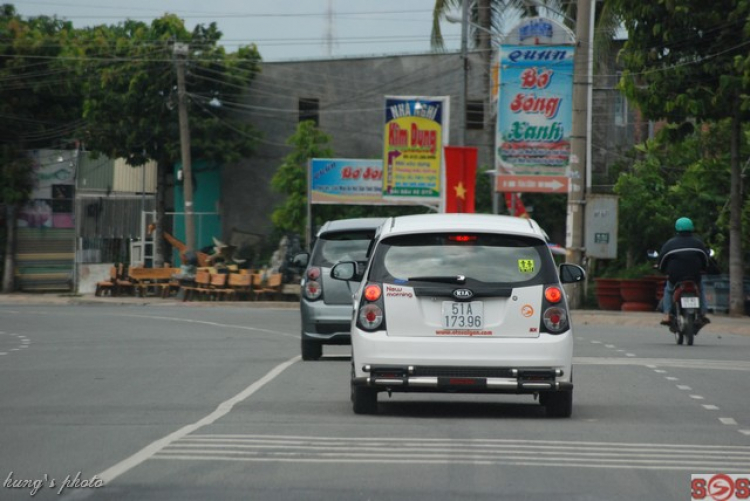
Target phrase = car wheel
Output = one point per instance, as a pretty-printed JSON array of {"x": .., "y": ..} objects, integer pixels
[
  {"x": 558, "y": 404},
  {"x": 311, "y": 350},
  {"x": 364, "y": 400}
]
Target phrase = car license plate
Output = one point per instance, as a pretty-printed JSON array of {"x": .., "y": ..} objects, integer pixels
[
  {"x": 463, "y": 315},
  {"x": 690, "y": 302}
]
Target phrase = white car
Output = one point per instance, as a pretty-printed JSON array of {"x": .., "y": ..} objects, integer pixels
[{"x": 461, "y": 303}]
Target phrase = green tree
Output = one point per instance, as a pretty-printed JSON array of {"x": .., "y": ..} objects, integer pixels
[
  {"x": 131, "y": 101},
  {"x": 39, "y": 105},
  {"x": 685, "y": 60},
  {"x": 291, "y": 178}
]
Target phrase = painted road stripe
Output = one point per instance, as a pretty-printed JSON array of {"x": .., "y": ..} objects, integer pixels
[
  {"x": 275, "y": 448},
  {"x": 710, "y": 407},
  {"x": 728, "y": 421},
  {"x": 223, "y": 409}
]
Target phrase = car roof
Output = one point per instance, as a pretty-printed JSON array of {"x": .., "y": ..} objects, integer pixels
[
  {"x": 363, "y": 223},
  {"x": 463, "y": 222}
]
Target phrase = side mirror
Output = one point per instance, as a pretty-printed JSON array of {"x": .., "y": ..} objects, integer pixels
[
  {"x": 300, "y": 260},
  {"x": 346, "y": 271},
  {"x": 571, "y": 273}
]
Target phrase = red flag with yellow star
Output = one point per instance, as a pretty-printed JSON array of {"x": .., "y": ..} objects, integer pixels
[{"x": 460, "y": 178}]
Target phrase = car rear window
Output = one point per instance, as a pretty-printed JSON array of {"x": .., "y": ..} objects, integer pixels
[
  {"x": 331, "y": 248},
  {"x": 484, "y": 257}
]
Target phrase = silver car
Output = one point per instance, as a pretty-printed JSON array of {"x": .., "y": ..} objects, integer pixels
[{"x": 326, "y": 305}]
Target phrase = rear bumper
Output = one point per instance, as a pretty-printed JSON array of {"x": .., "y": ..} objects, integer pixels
[
  {"x": 475, "y": 365},
  {"x": 327, "y": 324},
  {"x": 463, "y": 380}
]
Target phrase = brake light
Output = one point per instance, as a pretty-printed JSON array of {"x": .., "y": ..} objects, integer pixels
[
  {"x": 373, "y": 292},
  {"x": 462, "y": 238},
  {"x": 553, "y": 294}
]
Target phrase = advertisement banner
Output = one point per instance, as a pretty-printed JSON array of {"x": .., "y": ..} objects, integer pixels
[
  {"x": 346, "y": 181},
  {"x": 534, "y": 119},
  {"x": 416, "y": 129}
]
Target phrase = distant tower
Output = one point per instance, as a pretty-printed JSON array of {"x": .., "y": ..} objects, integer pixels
[{"x": 329, "y": 40}]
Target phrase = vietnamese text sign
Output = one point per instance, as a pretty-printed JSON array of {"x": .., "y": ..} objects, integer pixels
[
  {"x": 534, "y": 118},
  {"x": 346, "y": 181},
  {"x": 415, "y": 132}
]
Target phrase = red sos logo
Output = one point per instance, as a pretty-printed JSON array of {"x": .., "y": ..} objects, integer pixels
[{"x": 720, "y": 487}]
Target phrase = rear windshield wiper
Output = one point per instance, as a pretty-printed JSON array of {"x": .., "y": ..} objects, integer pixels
[{"x": 456, "y": 279}]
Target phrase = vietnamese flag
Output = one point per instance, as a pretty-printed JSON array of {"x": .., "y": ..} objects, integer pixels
[
  {"x": 516, "y": 206},
  {"x": 460, "y": 178}
]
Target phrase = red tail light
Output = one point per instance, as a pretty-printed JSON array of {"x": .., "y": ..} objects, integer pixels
[
  {"x": 373, "y": 292},
  {"x": 313, "y": 286},
  {"x": 553, "y": 294},
  {"x": 371, "y": 314},
  {"x": 555, "y": 320}
]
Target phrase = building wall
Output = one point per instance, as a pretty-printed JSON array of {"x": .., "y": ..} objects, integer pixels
[{"x": 351, "y": 94}]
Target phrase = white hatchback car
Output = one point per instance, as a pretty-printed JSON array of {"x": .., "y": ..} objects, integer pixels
[{"x": 461, "y": 303}]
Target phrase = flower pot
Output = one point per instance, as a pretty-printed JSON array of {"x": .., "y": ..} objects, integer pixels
[
  {"x": 608, "y": 295},
  {"x": 638, "y": 291}
]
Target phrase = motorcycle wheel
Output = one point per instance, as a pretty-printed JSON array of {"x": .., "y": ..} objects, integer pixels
[{"x": 689, "y": 329}]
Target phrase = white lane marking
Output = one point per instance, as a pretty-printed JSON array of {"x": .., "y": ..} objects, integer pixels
[
  {"x": 672, "y": 378},
  {"x": 630, "y": 354},
  {"x": 3, "y": 353},
  {"x": 223, "y": 409},
  {"x": 711, "y": 407},
  {"x": 745, "y": 432},
  {"x": 610, "y": 346},
  {"x": 596, "y": 342},
  {"x": 697, "y": 397},
  {"x": 660, "y": 371},
  {"x": 215, "y": 324},
  {"x": 683, "y": 387},
  {"x": 275, "y": 448},
  {"x": 728, "y": 421},
  {"x": 665, "y": 363}
]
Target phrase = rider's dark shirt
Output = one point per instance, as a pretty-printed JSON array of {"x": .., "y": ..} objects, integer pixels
[{"x": 683, "y": 258}]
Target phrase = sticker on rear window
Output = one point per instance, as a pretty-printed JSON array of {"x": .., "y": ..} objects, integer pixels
[{"x": 526, "y": 266}]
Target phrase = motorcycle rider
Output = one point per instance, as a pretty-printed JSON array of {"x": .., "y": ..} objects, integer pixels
[{"x": 683, "y": 257}]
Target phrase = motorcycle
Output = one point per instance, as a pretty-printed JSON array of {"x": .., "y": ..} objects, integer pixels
[
  {"x": 685, "y": 315},
  {"x": 685, "y": 319}
]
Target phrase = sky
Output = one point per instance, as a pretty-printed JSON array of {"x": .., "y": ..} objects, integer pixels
[{"x": 283, "y": 30}]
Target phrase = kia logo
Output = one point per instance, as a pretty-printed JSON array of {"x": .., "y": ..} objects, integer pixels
[{"x": 463, "y": 294}]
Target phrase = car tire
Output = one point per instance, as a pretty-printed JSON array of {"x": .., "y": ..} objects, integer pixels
[
  {"x": 364, "y": 400},
  {"x": 558, "y": 404},
  {"x": 311, "y": 350}
]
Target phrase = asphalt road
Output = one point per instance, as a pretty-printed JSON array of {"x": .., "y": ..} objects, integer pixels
[{"x": 193, "y": 403}]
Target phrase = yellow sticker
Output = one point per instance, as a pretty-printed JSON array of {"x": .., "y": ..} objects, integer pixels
[{"x": 526, "y": 266}]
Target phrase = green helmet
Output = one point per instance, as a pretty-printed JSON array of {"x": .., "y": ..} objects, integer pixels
[{"x": 684, "y": 224}]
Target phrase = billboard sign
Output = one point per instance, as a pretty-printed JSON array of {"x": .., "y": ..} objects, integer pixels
[
  {"x": 416, "y": 129},
  {"x": 347, "y": 181},
  {"x": 534, "y": 105}
]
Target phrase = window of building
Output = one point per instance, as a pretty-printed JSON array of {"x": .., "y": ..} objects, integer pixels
[
  {"x": 474, "y": 114},
  {"x": 309, "y": 108}
]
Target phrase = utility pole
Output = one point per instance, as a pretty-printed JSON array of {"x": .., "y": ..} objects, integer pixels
[
  {"x": 578, "y": 145},
  {"x": 181, "y": 52},
  {"x": 465, "y": 62}
]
